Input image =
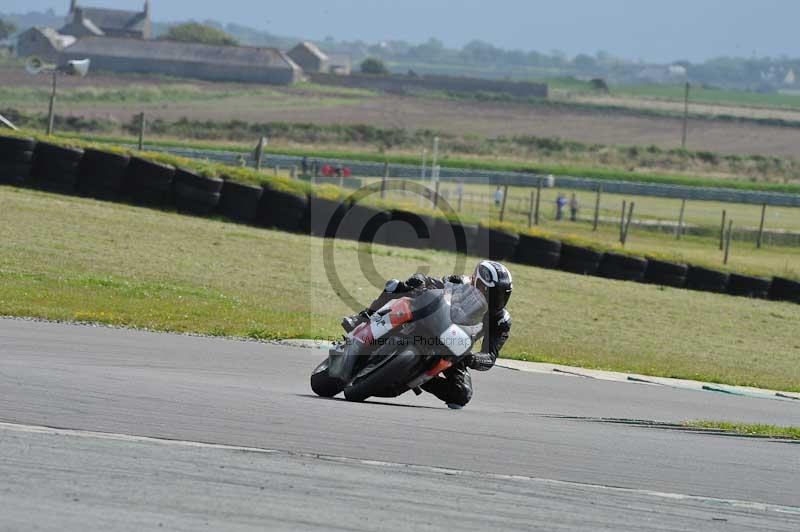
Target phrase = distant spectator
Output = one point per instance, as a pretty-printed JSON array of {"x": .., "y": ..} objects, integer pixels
[
  {"x": 498, "y": 197},
  {"x": 327, "y": 170},
  {"x": 574, "y": 206},
  {"x": 304, "y": 165},
  {"x": 338, "y": 170},
  {"x": 315, "y": 167},
  {"x": 561, "y": 204}
]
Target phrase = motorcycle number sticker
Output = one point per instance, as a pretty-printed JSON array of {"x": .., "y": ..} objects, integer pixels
[{"x": 456, "y": 340}]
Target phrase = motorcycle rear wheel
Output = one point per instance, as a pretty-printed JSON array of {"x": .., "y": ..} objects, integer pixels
[{"x": 388, "y": 376}]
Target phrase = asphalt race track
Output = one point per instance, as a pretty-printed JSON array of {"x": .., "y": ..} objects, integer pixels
[{"x": 125, "y": 430}]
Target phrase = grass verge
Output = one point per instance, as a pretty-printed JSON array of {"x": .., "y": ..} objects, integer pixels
[
  {"x": 77, "y": 259},
  {"x": 745, "y": 429}
]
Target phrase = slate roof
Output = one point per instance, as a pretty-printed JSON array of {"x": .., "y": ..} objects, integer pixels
[
  {"x": 312, "y": 48},
  {"x": 180, "y": 51},
  {"x": 115, "y": 19}
]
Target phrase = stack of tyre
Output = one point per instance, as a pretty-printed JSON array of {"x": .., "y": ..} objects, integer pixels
[
  {"x": 16, "y": 158},
  {"x": 115, "y": 176}
]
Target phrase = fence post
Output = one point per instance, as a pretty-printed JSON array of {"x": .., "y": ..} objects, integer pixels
[
  {"x": 728, "y": 241},
  {"x": 628, "y": 224},
  {"x": 538, "y": 202},
  {"x": 294, "y": 172},
  {"x": 51, "y": 113},
  {"x": 597, "y": 207},
  {"x": 530, "y": 209},
  {"x": 142, "y": 125},
  {"x": 383, "y": 181},
  {"x": 505, "y": 199},
  {"x": 622, "y": 222},
  {"x": 761, "y": 227},
  {"x": 679, "y": 230},
  {"x": 460, "y": 196},
  {"x": 436, "y": 195},
  {"x": 260, "y": 152},
  {"x": 722, "y": 231}
]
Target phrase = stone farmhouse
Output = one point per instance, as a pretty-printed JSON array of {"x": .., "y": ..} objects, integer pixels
[{"x": 94, "y": 21}]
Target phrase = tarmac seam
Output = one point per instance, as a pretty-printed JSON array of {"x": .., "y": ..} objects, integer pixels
[{"x": 731, "y": 503}]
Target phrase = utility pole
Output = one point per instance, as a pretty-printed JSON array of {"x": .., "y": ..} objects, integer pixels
[
  {"x": 685, "y": 116},
  {"x": 51, "y": 113}
]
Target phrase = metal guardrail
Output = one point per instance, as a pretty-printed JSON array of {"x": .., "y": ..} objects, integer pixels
[{"x": 373, "y": 169}]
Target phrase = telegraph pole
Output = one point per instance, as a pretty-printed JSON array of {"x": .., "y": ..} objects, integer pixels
[{"x": 685, "y": 116}]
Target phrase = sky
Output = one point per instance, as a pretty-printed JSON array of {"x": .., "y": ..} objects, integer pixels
[{"x": 650, "y": 30}]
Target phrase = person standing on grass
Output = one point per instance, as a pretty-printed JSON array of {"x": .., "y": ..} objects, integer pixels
[
  {"x": 304, "y": 165},
  {"x": 561, "y": 203},
  {"x": 498, "y": 197},
  {"x": 573, "y": 207}
]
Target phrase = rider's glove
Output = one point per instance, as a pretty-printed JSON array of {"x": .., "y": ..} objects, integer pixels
[
  {"x": 456, "y": 279},
  {"x": 415, "y": 281}
]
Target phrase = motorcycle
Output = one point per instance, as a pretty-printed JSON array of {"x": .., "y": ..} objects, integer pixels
[{"x": 408, "y": 342}]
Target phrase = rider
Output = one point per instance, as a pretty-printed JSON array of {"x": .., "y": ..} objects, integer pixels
[{"x": 494, "y": 281}]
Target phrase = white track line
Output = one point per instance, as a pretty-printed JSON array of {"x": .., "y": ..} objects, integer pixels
[{"x": 731, "y": 503}]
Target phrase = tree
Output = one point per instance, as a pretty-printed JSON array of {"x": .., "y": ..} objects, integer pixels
[
  {"x": 6, "y": 29},
  {"x": 194, "y": 32},
  {"x": 374, "y": 66}
]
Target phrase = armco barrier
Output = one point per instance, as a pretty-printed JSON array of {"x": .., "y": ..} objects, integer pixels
[
  {"x": 521, "y": 179},
  {"x": 151, "y": 183},
  {"x": 326, "y": 215}
]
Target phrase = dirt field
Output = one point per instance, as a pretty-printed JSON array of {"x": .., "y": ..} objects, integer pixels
[{"x": 484, "y": 119}]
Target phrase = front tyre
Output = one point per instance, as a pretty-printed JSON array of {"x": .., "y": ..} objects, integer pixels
[
  {"x": 324, "y": 385},
  {"x": 388, "y": 376}
]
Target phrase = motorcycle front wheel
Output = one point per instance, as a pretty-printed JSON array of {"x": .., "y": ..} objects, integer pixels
[
  {"x": 324, "y": 385},
  {"x": 387, "y": 376}
]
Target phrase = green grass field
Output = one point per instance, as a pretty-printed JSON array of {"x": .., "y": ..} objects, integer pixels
[
  {"x": 709, "y": 96},
  {"x": 74, "y": 259}
]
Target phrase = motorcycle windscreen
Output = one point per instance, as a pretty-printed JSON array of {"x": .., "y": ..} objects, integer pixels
[{"x": 468, "y": 305}]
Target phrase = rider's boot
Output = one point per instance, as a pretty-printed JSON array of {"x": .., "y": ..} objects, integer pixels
[{"x": 349, "y": 323}]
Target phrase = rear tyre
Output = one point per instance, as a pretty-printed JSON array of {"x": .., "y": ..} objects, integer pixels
[
  {"x": 390, "y": 376},
  {"x": 324, "y": 385}
]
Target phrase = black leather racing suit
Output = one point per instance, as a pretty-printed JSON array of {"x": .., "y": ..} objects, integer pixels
[{"x": 456, "y": 385}]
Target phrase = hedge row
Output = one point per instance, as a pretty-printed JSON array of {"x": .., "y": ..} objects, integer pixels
[{"x": 149, "y": 180}]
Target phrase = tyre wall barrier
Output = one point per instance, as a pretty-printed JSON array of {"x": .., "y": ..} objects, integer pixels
[
  {"x": 666, "y": 273},
  {"x": 707, "y": 280},
  {"x": 326, "y": 215},
  {"x": 538, "y": 251},
  {"x": 496, "y": 244},
  {"x": 55, "y": 168},
  {"x": 240, "y": 202},
  {"x": 622, "y": 267},
  {"x": 406, "y": 229},
  {"x": 748, "y": 286},
  {"x": 102, "y": 174},
  {"x": 149, "y": 183},
  {"x": 454, "y": 237},
  {"x": 16, "y": 158},
  {"x": 579, "y": 260},
  {"x": 361, "y": 223},
  {"x": 283, "y": 210},
  {"x": 785, "y": 290},
  {"x": 194, "y": 193}
]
